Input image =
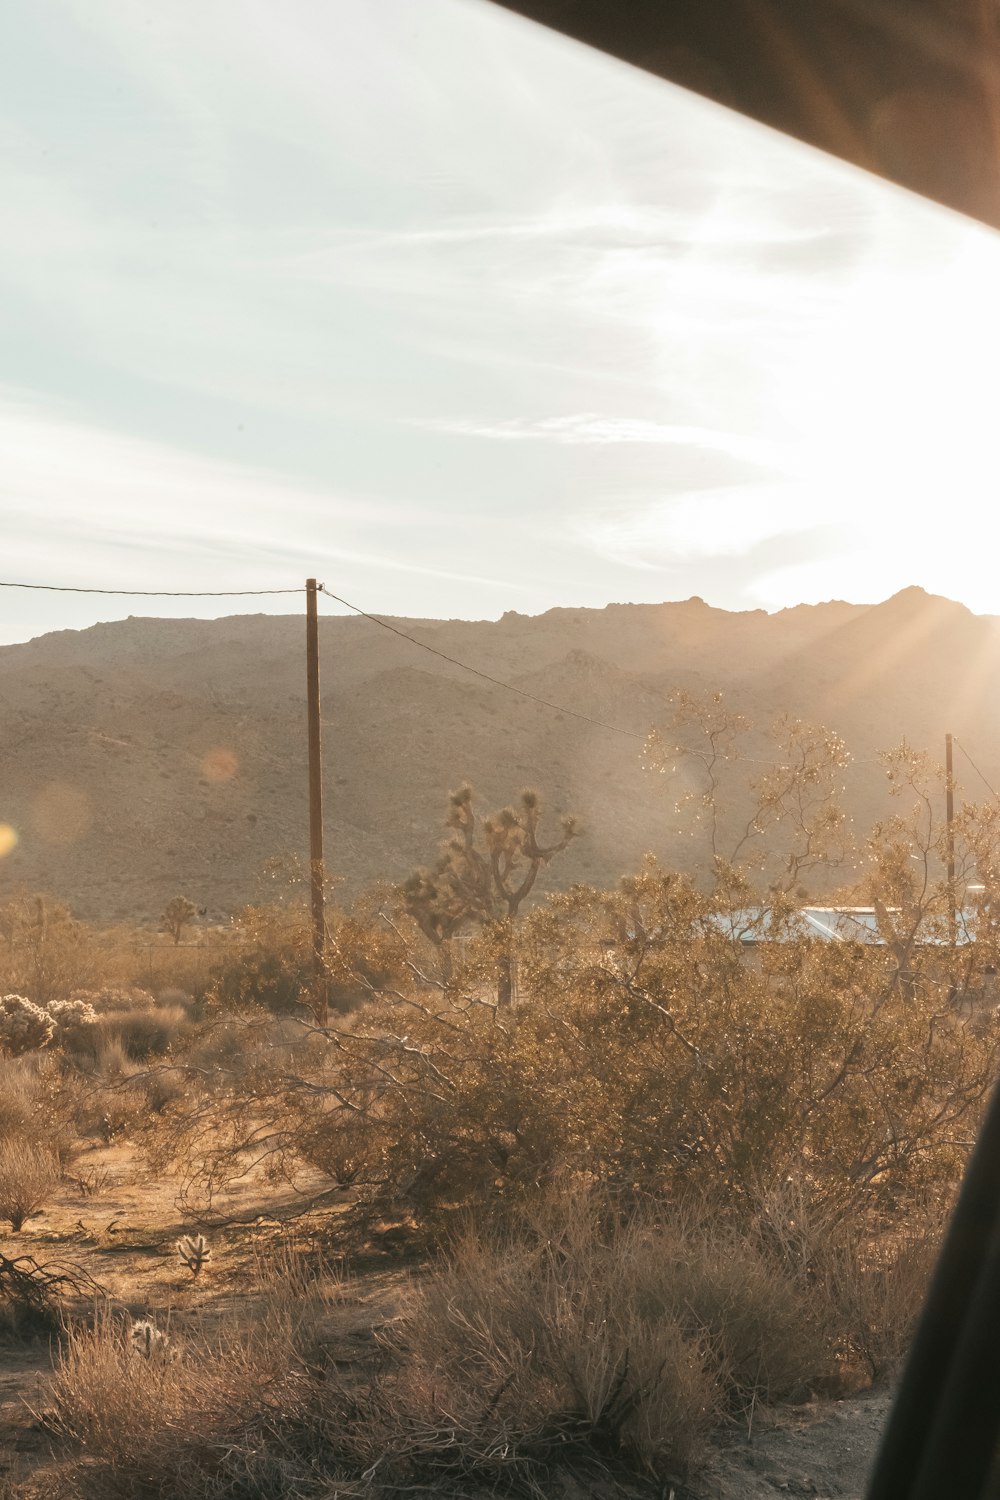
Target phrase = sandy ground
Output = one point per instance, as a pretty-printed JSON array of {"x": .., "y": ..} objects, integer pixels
[
  {"x": 124, "y": 1237},
  {"x": 823, "y": 1450}
]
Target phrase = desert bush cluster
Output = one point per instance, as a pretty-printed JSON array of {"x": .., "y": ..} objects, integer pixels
[
  {"x": 579, "y": 1339},
  {"x": 671, "y": 1155}
]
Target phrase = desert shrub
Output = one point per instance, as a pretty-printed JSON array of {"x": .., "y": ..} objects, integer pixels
[
  {"x": 18, "y": 1099},
  {"x": 28, "y": 1173},
  {"x": 279, "y": 981},
  {"x": 874, "y": 1287},
  {"x": 24, "y": 1026},
  {"x": 120, "y": 1110},
  {"x": 364, "y": 958},
  {"x": 221, "y": 1045},
  {"x": 110, "y": 1062},
  {"x": 648, "y": 1054},
  {"x": 163, "y": 967},
  {"x": 172, "y": 998},
  {"x": 162, "y": 1087},
  {"x": 271, "y": 964},
  {"x": 45, "y": 953},
  {"x": 675, "y": 1061},
  {"x": 110, "y": 1399},
  {"x": 531, "y": 1348},
  {"x": 39, "y": 1105},
  {"x": 112, "y": 1099},
  {"x": 33, "y": 1294},
  {"x": 579, "y": 1338},
  {"x": 245, "y": 1411},
  {"x": 470, "y": 1392},
  {"x": 142, "y": 1033},
  {"x": 633, "y": 1334},
  {"x": 867, "y": 1280}
]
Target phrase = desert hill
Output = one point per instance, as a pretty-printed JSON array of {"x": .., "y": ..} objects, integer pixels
[{"x": 149, "y": 757}]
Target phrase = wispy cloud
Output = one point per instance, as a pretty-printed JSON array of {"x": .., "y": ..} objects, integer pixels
[
  {"x": 267, "y": 266},
  {"x": 179, "y": 518},
  {"x": 590, "y": 428}
]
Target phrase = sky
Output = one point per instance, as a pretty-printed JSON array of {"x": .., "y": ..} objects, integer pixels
[{"x": 460, "y": 317}]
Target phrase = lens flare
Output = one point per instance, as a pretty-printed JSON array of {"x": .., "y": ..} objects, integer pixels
[
  {"x": 219, "y": 764},
  {"x": 8, "y": 839},
  {"x": 61, "y": 813}
]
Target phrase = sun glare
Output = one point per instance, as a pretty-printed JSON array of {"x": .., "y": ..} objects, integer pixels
[
  {"x": 888, "y": 444},
  {"x": 219, "y": 764}
]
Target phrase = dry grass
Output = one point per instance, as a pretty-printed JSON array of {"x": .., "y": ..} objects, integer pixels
[
  {"x": 576, "y": 1340},
  {"x": 571, "y": 1341},
  {"x": 111, "y": 1400},
  {"x": 39, "y": 1104},
  {"x": 635, "y": 1336},
  {"x": 133, "y": 957},
  {"x": 18, "y": 1097},
  {"x": 147, "y": 1408},
  {"x": 230, "y": 1408},
  {"x": 867, "y": 1283},
  {"x": 28, "y": 1173}
]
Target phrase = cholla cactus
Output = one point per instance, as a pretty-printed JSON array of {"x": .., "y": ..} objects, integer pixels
[
  {"x": 151, "y": 1342},
  {"x": 73, "y": 1020},
  {"x": 193, "y": 1251},
  {"x": 113, "y": 997},
  {"x": 23, "y": 1025}
]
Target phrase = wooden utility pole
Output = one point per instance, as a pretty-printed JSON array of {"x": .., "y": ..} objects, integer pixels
[
  {"x": 949, "y": 793},
  {"x": 316, "y": 868}
]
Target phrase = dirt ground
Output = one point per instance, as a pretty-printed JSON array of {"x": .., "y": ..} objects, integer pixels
[
  {"x": 121, "y": 1230},
  {"x": 822, "y": 1450}
]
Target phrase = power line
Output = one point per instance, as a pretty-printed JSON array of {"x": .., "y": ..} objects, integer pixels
[
  {"x": 475, "y": 671},
  {"x": 561, "y": 708},
  {"x": 59, "y": 588},
  {"x": 978, "y": 772},
  {"x": 533, "y": 697}
]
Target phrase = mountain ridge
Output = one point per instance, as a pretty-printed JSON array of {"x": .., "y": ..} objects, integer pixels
[{"x": 145, "y": 757}]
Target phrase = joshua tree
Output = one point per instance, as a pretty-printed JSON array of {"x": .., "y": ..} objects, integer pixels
[
  {"x": 483, "y": 875},
  {"x": 177, "y": 914}
]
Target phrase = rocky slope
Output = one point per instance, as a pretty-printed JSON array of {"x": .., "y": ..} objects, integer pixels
[{"x": 148, "y": 757}]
